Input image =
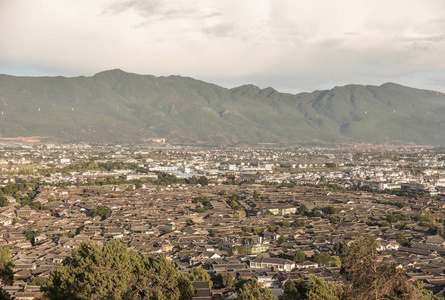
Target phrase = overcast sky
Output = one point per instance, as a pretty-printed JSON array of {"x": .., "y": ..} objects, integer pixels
[{"x": 293, "y": 45}]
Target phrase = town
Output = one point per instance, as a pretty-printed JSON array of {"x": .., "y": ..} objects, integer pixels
[{"x": 268, "y": 213}]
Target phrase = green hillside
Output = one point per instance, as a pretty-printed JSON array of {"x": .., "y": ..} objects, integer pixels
[{"x": 115, "y": 106}]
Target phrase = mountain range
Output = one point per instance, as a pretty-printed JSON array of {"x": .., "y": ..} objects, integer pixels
[{"x": 116, "y": 106}]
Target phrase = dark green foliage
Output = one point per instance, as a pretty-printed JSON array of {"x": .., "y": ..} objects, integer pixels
[
  {"x": 407, "y": 193},
  {"x": 322, "y": 290},
  {"x": 333, "y": 220},
  {"x": 4, "y": 295},
  {"x": 343, "y": 248},
  {"x": 258, "y": 231},
  {"x": 401, "y": 239},
  {"x": 436, "y": 230},
  {"x": 233, "y": 202},
  {"x": 203, "y": 181},
  {"x": 31, "y": 234},
  {"x": 102, "y": 211},
  {"x": 199, "y": 274},
  {"x": 298, "y": 223},
  {"x": 370, "y": 278},
  {"x": 403, "y": 227},
  {"x": 303, "y": 209},
  {"x": 36, "y": 205},
  {"x": 329, "y": 210},
  {"x": 324, "y": 259},
  {"x": 424, "y": 217},
  {"x": 286, "y": 224},
  {"x": 423, "y": 293},
  {"x": 272, "y": 228},
  {"x": 6, "y": 273},
  {"x": 40, "y": 281},
  {"x": 115, "y": 272},
  {"x": 205, "y": 201},
  {"x": 202, "y": 209},
  {"x": 13, "y": 188},
  {"x": 252, "y": 290},
  {"x": 228, "y": 280},
  {"x": 396, "y": 216},
  {"x": 299, "y": 256},
  {"x": 314, "y": 213},
  {"x": 6, "y": 264},
  {"x": 296, "y": 289}
]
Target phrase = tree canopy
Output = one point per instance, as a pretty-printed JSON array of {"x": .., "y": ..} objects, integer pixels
[
  {"x": 6, "y": 273},
  {"x": 370, "y": 278},
  {"x": 252, "y": 290},
  {"x": 199, "y": 274},
  {"x": 115, "y": 272},
  {"x": 102, "y": 211}
]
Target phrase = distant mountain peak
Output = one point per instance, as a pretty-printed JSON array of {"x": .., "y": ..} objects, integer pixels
[
  {"x": 114, "y": 105},
  {"x": 112, "y": 71}
]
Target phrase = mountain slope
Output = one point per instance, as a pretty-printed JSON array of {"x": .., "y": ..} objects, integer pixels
[{"x": 115, "y": 106}]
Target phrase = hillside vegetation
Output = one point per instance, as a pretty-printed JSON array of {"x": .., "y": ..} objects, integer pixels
[{"x": 115, "y": 106}]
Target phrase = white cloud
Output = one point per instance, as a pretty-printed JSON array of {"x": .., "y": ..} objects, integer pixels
[{"x": 291, "y": 45}]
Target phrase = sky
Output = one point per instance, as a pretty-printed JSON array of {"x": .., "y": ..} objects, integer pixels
[{"x": 290, "y": 45}]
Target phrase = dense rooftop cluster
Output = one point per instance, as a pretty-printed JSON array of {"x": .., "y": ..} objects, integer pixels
[{"x": 271, "y": 214}]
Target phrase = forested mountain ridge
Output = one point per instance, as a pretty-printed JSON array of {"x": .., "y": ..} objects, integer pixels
[{"x": 115, "y": 106}]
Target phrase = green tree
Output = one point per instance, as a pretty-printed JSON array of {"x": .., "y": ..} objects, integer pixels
[
  {"x": 252, "y": 290},
  {"x": 281, "y": 240},
  {"x": 272, "y": 228},
  {"x": 258, "y": 231},
  {"x": 299, "y": 256},
  {"x": 286, "y": 224},
  {"x": 227, "y": 280},
  {"x": 370, "y": 278},
  {"x": 303, "y": 209},
  {"x": 321, "y": 290},
  {"x": 199, "y": 274},
  {"x": 324, "y": 259},
  {"x": 115, "y": 272},
  {"x": 329, "y": 210},
  {"x": 3, "y": 201},
  {"x": 6, "y": 273},
  {"x": 423, "y": 293},
  {"x": 298, "y": 223},
  {"x": 401, "y": 239},
  {"x": 102, "y": 211},
  {"x": 296, "y": 289},
  {"x": 203, "y": 181},
  {"x": 343, "y": 248}
]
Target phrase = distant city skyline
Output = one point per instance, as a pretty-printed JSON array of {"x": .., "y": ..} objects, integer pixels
[{"x": 292, "y": 46}]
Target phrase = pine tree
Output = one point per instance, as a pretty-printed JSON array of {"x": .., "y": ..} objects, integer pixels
[{"x": 115, "y": 272}]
